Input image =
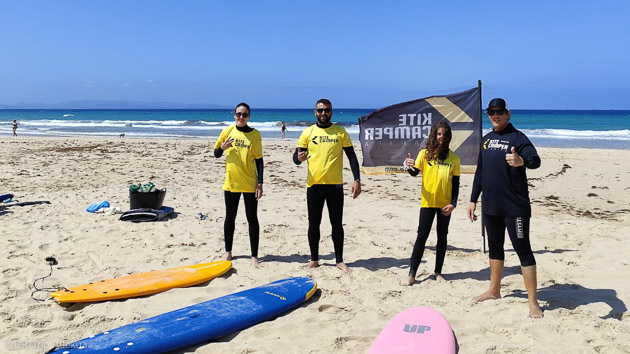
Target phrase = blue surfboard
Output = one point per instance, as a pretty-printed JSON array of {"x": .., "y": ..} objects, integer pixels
[{"x": 199, "y": 323}]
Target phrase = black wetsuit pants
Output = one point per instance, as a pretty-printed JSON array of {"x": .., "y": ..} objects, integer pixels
[
  {"x": 251, "y": 211},
  {"x": 424, "y": 228},
  {"x": 518, "y": 229},
  {"x": 316, "y": 196}
]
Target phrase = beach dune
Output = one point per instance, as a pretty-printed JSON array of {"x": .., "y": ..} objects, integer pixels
[{"x": 580, "y": 227}]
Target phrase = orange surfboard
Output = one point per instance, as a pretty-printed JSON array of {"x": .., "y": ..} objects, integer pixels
[{"x": 143, "y": 283}]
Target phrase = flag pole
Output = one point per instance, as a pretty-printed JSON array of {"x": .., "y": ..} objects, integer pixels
[{"x": 483, "y": 229}]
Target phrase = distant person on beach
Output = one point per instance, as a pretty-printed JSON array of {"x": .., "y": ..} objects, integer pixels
[
  {"x": 242, "y": 145},
  {"x": 323, "y": 145},
  {"x": 501, "y": 179},
  {"x": 15, "y": 126},
  {"x": 440, "y": 188},
  {"x": 283, "y": 128}
]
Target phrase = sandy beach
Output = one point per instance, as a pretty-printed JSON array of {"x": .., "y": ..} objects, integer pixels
[{"x": 581, "y": 219}]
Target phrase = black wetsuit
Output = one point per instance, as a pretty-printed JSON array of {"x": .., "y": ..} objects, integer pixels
[
  {"x": 331, "y": 195},
  {"x": 505, "y": 197},
  {"x": 251, "y": 207}
]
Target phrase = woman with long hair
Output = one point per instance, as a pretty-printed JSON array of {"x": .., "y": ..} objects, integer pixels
[
  {"x": 440, "y": 188},
  {"x": 242, "y": 145}
]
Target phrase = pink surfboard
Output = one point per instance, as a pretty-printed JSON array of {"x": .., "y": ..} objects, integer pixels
[{"x": 416, "y": 330}]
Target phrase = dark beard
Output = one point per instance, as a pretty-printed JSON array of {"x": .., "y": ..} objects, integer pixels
[{"x": 323, "y": 122}]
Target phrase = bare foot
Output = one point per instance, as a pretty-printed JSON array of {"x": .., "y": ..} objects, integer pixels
[
  {"x": 255, "y": 262},
  {"x": 344, "y": 268},
  {"x": 228, "y": 256},
  {"x": 535, "y": 311},
  {"x": 487, "y": 296},
  {"x": 439, "y": 278},
  {"x": 408, "y": 281},
  {"x": 313, "y": 264}
]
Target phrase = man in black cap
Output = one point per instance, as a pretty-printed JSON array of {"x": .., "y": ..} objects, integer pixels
[{"x": 504, "y": 156}]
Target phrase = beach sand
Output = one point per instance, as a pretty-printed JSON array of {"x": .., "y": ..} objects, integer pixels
[{"x": 579, "y": 232}]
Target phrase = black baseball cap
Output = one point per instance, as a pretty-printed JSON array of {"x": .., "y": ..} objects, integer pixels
[{"x": 497, "y": 102}]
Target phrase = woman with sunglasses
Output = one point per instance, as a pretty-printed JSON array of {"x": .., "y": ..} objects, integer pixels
[
  {"x": 504, "y": 156},
  {"x": 242, "y": 145},
  {"x": 440, "y": 188}
]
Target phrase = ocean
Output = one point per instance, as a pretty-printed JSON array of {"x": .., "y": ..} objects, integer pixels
[{"x": 609, "y": 129}]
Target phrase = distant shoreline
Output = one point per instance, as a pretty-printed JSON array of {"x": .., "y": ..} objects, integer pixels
[
  {"x": 608, "y": 129},
  {"x": 567, "y": 110},
  {"x": 538, "y": 142}
]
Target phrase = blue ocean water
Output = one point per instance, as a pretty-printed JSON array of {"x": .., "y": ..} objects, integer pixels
[{"x": 551, "y": 128}]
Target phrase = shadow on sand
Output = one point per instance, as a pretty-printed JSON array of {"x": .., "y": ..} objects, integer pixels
[{"x": 571, "y": 296}]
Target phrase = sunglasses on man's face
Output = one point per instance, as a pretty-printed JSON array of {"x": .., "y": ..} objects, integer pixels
[
  {"x": 500, "y": 111},
  {"x": 323, "y": 110},
  {"x": 239, "y": 115}
]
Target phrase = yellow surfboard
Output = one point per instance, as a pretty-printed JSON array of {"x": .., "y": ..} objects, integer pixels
[{"x": 143, "y": 283}]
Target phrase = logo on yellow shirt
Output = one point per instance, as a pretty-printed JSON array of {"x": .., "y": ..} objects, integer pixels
[
  {"x": 328, "y": 139},
  {"x": 324, "y": 139},
  {"x": 241, "y": 143}
]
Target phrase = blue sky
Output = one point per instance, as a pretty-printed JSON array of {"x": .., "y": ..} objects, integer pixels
[{"x": 287, "y": 54}]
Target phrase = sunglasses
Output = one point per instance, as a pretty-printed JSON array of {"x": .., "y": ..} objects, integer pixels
[
  {"x": 500, "y": 111},
  {"x": 239, "y": 115},
  {"x": 323, "y": 110}
]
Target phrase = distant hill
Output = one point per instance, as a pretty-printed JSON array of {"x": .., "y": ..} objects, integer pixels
[{"x": 112, "y": 104}]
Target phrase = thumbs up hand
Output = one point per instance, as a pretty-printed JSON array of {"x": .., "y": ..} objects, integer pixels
[{"x": 514, "y": 159}]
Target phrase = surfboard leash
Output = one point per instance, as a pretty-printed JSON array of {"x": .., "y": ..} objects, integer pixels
[{"x": 51, "y": 261}]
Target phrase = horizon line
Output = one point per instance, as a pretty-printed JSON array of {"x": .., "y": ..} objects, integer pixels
[{"x": 278, "y": 108}]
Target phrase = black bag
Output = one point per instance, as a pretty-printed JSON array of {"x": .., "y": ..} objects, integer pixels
[
  {"x": 146, "y": 214},
  {"x": 153, "y": 200}
]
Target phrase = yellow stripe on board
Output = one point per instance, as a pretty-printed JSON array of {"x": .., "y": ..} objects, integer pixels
[
  {"x": 310, "y": 293},
  {"x": 449, "y": 110}
]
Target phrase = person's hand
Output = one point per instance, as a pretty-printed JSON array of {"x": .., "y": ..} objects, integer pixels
[
  {"x": 471, "y": 212},
  {"x": 259, "y": 191},
  {"x": 227, "y": 144},
  {"x": 303, "y": 156},
  {"x": 356, "y": 189},
  {"x": 514, "y": 159},
  {"x": 409, "y": 162},
  {"x": 447, "y": 210}
]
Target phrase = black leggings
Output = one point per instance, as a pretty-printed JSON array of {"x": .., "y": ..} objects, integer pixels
[
  {"x": 332, "y": 195},
  {"x": 518, "y": 229},
  {"x": 424, "y": 228},
  {"x": 231, "y": 208}
]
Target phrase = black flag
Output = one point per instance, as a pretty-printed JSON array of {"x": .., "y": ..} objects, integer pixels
[{"x": 388, "y": 134}]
